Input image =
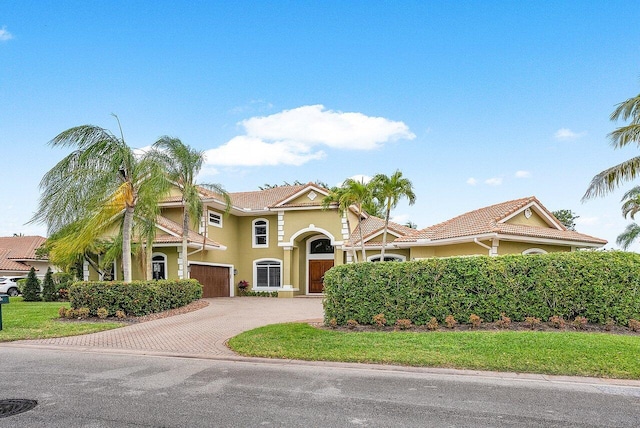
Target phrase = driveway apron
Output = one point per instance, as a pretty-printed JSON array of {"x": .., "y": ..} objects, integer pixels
[{"x": 201, "y": 333}]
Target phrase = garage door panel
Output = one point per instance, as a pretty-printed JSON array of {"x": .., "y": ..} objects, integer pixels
[{"x": 214, "y": 280}]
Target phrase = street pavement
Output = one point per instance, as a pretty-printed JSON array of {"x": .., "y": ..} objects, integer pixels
[{"x": 88, "y": 389}]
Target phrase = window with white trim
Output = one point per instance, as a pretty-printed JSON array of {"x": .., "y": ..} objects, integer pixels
[
  {"x": 260, "y": 233},
  {"x": 268, "y": 274},
  {"x": 534, "y": 251},
  {"x": 215, "y": 219},
  {"x": 388, "y": 258}
]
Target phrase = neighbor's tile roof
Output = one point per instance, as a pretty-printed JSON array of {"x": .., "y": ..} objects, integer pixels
[
  {"x": 176, "y": 228},
  {"x": 487, "y": 220},
  {"x": 11, "y": 265},
  {"x": 22, "y": 247}
]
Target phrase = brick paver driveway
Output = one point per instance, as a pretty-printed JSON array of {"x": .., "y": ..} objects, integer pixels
[{"x": 200, "y": 333}]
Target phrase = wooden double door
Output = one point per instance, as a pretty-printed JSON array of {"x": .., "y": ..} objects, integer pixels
[{"x": 317, "y": 269}]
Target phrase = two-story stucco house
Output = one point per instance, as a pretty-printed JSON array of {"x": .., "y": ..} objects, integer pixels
[{"x": 282, "y": 239}]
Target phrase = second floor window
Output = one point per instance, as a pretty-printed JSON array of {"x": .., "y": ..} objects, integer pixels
[
  {"x": 215, "y": 219},
  {"x": 260, "y": 233}
]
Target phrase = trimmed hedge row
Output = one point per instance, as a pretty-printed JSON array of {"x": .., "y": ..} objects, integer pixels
[
  {"x": 595, "y": 285},
  {"x": 134, "y": 298}
]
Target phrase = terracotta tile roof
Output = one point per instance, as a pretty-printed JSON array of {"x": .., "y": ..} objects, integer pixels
[
  {"x": 260, "y": 199},
  {"x": 11, "y": 265},
  {"x": 22, "y": 247},
  {"x": 373, "y": 225},
  {"x": 176, "y": 228},
  {"x": 488, "y": 220}
]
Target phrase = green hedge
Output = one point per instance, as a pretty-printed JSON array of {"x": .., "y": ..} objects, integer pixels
[
  {"x": 595, "y": 285},
  {"x": 135, "y": 298}
]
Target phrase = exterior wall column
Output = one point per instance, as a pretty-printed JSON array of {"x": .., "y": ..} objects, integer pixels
[
  {"x": 287, "y": 267},
  {"x": 181, "y": 269},
  {"x": 494, "y": 247}
]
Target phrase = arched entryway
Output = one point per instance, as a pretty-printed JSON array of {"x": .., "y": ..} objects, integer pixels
[{"x": 320, "y": 258}]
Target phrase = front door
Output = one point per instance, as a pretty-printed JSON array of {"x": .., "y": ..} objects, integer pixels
[{"x": 317, "y": 269}]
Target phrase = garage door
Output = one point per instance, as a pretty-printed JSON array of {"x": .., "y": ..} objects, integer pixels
[{"x": 214, "y": 280}]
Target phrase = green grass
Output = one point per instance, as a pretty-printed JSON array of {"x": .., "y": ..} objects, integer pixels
[
  {"x": 558, "y": 353},
  {"x": 38, "y": 320}
]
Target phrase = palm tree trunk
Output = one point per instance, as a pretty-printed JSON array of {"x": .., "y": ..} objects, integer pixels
[
  {"x": 149, "y": 258},
  {"x": 364, "y": 255},
  {"x": 185, "y": 234},
  {"x": 127, "y": 227},
  {"x": 384, "y": 234}
]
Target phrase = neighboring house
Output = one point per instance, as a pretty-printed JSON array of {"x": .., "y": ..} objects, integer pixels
[
  {"x": 281, "y": 239},
  {"x": 18, "y": 255}
]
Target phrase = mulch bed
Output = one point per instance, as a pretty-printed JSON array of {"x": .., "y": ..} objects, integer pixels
[
  {"x": 515, "y": 326},
  {"x": 193, "y": 306}
]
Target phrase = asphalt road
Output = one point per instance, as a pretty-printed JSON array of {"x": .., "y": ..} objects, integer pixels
[{"x": 75, "y": 389}]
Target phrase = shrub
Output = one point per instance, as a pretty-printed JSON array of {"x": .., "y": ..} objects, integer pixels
[
  {"x": 63, "y": 294},
  {"x": 135, "y": 298},
  {"x": 450, "y": 321},
  {"x": 352, "y": 324},
  {"x": 379, "y": 320},
  {"x": 594, "y": 284},
  {"x": 333, "y": 323},
  {"x": 433, "y": 324},
  {"x": 49, "y": 293},
  {"x": 82, "y": 313},
  {"x": 475, "y": 321},
  {"x": 31, "y": 291},
  {"x": 403, "y": 324},
  {"x": 532, "y": 322},
  {"x": 608, "y": 326},
  {"x": 504, "y": 321},
  {"x": 580, "y": 322},
  {"x": 634, "y": 325},
  {"x": 102, "y": 313},
  {"x": 70, "y": 313},
  {"x": 120, "y": 314},
  {"x": 556, "y": 321},
  {"x": 252, "y": 293},
  {"x": 62, "y": 312}
]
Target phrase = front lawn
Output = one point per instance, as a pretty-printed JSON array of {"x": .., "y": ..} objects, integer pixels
[
  {"x": 39, "y": 320},
  {"x": 558, "y": 353}
]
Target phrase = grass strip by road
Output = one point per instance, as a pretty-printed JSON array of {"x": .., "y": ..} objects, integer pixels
[
  {"x": 38, "y": 320},
  {"x": 557, "y": 353}
]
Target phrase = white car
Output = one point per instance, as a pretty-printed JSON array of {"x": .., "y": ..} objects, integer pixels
[{"x": 9, "y": 285}]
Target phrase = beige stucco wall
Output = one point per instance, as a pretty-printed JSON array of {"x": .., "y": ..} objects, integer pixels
[
  {"x": 534, "y": 220},
  {"x": 507, "y": 247},
  {"x": 329, "y": 220}
]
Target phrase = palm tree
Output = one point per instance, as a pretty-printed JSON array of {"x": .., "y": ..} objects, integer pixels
[
  {"x": 630, "y": 234},
  {"x": 352, "y": 192},
  {"x": 182, "y": 164},
  {"x": 96, "y": 187},
  {"x": 610, "y": 178},
  {"x": 390, "y": 190}
]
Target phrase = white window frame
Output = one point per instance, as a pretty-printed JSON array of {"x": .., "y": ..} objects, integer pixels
[
  {"x": 164, "y": 261},
  {"x": 216, "y": 214},
  {"x": 254, "y": 235},
  {"x": 255, "y": 275},
  {"x": 398, "y": 257},
  {"x": 534, "y": 251}
]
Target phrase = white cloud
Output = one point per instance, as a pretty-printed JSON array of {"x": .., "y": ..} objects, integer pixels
[
  {"x": 494, "y": 181},
  {"x": 251, "y": 151},
  {"x": 5, "y": 35},
  {"x": 565, "y": 134},
  {"x": 522, "y": 174},
  {"x": 587, "y": 221},
  {"x": 472, "y": 181},
  {"x": 401, "y": 218}
]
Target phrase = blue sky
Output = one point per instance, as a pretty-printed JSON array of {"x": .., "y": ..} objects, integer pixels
[{"x": 477, "y": 102}]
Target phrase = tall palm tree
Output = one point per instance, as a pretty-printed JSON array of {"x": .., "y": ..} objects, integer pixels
[
  {"x": 610, "y": 178},
  {"x": 97, "y": 186},
  {"x": 182, "y": 164},
  {"x": 390, "y": 190},
  {"x": 630, "y": 234},
  {"x": 352, "y": 192}
]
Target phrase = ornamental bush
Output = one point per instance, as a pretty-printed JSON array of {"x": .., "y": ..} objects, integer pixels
[
  {"x": 592, "y": 284},
  {"x": 31, "y": 290},
  {"x": 49, "y": 292},
  {"x": 135, "y": 298}
]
